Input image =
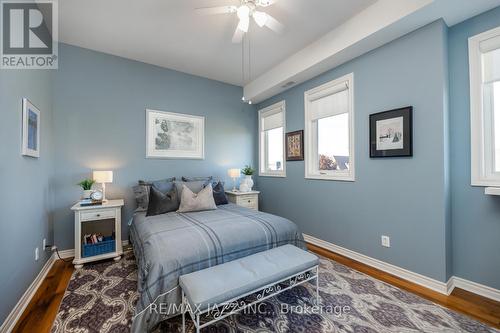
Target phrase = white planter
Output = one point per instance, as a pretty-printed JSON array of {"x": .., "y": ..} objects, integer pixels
[{"x": 86, "y": 194}]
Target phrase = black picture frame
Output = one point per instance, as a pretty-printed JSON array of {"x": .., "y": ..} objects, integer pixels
[
  {"x": 300, "y": 136},
  {"x": 407, "y": 136}
]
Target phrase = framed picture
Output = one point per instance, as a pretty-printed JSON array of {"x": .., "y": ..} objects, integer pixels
[
  {"x": 391, "y": 133},
  {"x": 295, "y": 146},
  {"x": 174, "y": 135},
  {"x": 31, "y": 129}
]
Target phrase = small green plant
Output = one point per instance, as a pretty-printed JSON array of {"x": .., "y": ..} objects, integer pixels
[
  {"x": 86, "y": 184},
  {"x": 247, "y": 170}
]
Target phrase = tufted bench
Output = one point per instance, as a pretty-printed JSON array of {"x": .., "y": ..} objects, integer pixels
[{"x": 225, "y": 289}]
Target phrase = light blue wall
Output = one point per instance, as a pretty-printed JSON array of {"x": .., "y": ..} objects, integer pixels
[
  {"x": 100, "y": 107},
  {"x": 25, "y": 199},
  {"x": 476, "y": 216},
  {"x": 404, "y": 198}
]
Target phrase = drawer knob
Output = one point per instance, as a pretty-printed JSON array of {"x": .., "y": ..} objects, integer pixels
[
  {"x": 98, "y": 215},
  {"x": 249, "y": 201}
]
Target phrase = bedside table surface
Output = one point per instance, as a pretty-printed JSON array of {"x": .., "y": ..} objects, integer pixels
[
  {"x": 107, "y": 204},
  {"x": 242, "y": 193}
]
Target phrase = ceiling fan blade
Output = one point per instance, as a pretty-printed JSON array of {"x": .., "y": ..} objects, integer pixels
[
  {"x": 216, "y": 10},
  {"x": 274, "y": 24},
  {"x": 265, "y": 3},
  {"x": 238, "y": 36}
]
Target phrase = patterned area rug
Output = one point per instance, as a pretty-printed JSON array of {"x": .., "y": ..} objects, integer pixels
[{"x": 101, "y": 297}]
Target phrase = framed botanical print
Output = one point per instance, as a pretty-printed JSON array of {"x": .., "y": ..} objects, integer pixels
[
  {"x": 30, "y": 129},
  {"x": 391, "y": 133},
  {"x": 174, "y": 135},
  {"x": 295, "y": 146}
]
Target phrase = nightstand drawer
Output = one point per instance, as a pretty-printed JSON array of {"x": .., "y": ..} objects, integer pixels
[
  {"x": 98, "y": 215},
  {"x": 249, "y": 201}
]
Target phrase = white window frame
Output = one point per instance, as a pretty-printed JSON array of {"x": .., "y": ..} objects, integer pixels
[
  {"x": 309, "y": 142},
  {"x": 270, "y": 110},
  {"x": 482, "y": 147}
]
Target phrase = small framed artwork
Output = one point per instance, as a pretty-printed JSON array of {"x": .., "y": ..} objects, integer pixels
[
  {"x": 174, "y": 135},
  {"x": 391, "y": 133},
  {"x": 30, "y": 130},
  {"x": 295, "y": 146}
]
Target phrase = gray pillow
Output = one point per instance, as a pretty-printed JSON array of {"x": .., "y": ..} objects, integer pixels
[
  {"x": 163, "y": 185},
  {"x": 194, "y": 186},
  {"x": 195, "y": 202},
  {"x": 161, "y": 203},
  {"x": 194, "y": 179},
  {"x": 141, "y": 191}
]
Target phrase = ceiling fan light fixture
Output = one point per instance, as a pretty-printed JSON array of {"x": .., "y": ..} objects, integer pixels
[
  {"x": 243, "y": 12},
  {"x": 260, "y": 18}
]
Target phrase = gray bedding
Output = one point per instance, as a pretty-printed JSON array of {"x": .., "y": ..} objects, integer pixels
[{"x": 170, "y": 245}]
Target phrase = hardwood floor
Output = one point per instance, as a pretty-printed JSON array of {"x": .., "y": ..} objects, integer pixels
[{"x": 42, "y": 310}]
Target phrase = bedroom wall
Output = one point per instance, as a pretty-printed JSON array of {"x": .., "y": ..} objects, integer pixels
[
  {"x": 100, "y": 103},
  {"x": 405, "y": 198},
  {"x": 476, "y": 216},
  {"x": 25, "y": 199}
]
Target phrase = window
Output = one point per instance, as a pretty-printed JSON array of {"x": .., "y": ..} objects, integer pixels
[
  {"x": 329, "y": 131},
  {"x": 271, "y": 140},
  {"x": 484, "y": 63}
]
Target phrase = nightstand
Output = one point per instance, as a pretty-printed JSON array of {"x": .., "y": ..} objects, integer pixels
[
  {"x": 104, "y": 219},
  {"x": 245, "y": 199}
]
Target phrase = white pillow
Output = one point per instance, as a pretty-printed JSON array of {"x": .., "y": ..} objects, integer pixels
[{"x": 194, "y": 202}]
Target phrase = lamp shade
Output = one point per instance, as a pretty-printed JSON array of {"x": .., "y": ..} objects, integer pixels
[
  {"x": 233, "y": 173},
  {"x": 103, "y": 176}
]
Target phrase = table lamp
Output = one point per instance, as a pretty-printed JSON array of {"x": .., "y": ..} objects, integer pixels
[
  {"x": 103, "y": 177},
  {"x": 234, "y": 173}
]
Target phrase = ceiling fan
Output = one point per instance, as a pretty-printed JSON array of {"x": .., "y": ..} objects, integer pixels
[{"x": 246, "y": 9}]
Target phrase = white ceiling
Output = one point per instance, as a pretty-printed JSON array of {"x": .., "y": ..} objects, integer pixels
[{"x": 169, "y": 33}]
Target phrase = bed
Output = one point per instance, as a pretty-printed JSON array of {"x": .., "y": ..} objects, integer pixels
[{"x": 170, "y": 245}]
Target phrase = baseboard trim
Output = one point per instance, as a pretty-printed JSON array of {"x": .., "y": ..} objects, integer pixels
[
  {"x": 422, "y": 280},
  {"x": 11, "y": 320},
  {"x": 473, "y": 287}
]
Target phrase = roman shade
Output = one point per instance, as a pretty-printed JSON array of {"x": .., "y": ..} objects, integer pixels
[
  {"x": 330, "y": 102},
  {"x": 272, "y": 120},
  {"x": 491, "y": 66}
]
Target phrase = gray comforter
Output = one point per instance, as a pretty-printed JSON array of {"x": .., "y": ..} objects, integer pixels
[{"x": 170, "y": 245}]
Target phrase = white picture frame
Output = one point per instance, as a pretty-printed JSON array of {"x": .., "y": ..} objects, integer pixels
[
  {"x": 185, "y": 141},
  {"x": 31, "y": 121}
]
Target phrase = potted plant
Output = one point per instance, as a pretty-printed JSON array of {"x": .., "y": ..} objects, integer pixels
[
  {"x": 247, "y": 182},
  {"x": 86, "y": 186}
]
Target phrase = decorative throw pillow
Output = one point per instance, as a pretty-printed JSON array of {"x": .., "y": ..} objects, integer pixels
[
  {"x": 141, "y": 191},
  {"x": 161, "y": 203},
  {"x": 219, "y": 193},
  {"x": 194, "y": 179},
  {"x": 194, "y": 202},
  {"x": 194, "y": 186}
]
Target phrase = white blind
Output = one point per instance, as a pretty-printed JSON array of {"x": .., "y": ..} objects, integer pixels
[
  {"x": 272, "y": 121},
  {"x": 330, "y": 105},
  {"x": 491, "y": 66}
]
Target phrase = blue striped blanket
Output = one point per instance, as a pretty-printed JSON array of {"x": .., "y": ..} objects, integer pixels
[{"x": 170, "y": 245}]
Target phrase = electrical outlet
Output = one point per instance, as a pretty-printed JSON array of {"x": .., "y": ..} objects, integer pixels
[
  {"x": 386, "y": 241},
  {"x": 36, "y": 254},
  {"x": 44, "y": 243}
]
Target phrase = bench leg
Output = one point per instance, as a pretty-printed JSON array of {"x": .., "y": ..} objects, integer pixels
[
  {"x": 317, "y": 285},
  {"x": 183, "y": 313}
]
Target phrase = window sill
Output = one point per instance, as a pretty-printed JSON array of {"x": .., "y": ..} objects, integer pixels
[
  {"x": 492, "y": 190},
  {"x": 337, "y": 178},
  {"x": 277, "y": 175}
]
